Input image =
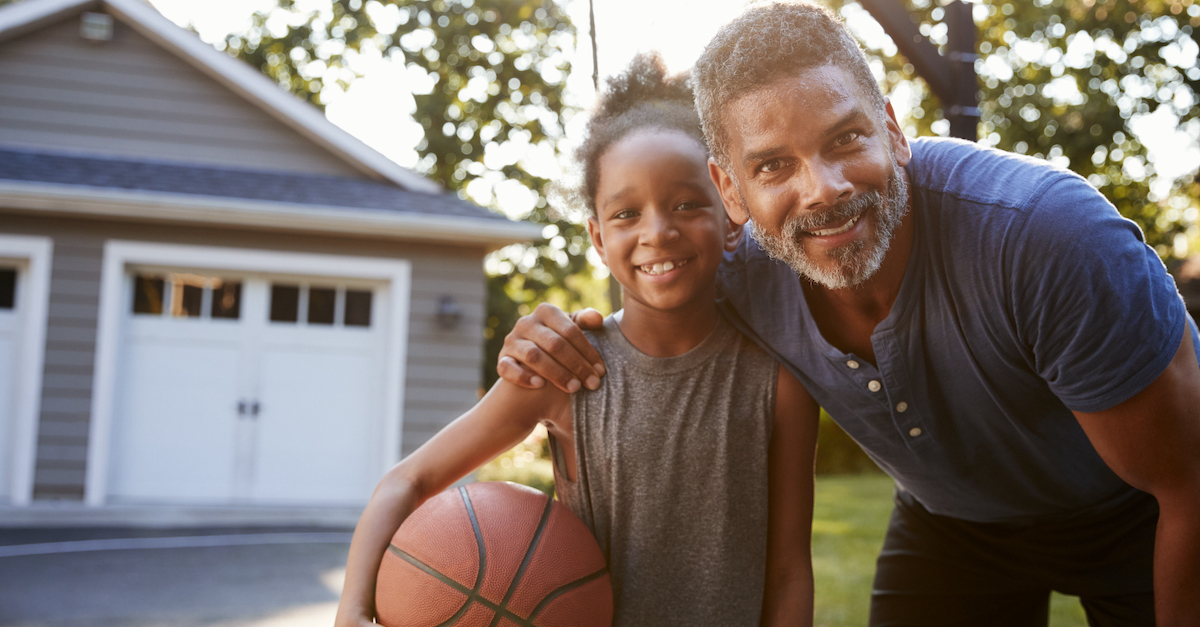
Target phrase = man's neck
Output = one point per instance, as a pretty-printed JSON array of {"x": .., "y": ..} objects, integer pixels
[{"x": 847, "y": 317}]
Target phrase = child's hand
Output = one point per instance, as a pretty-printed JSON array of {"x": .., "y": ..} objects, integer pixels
[{"x": 546, "y": 345}]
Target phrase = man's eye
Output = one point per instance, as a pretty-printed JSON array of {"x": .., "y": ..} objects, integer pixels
[
  {"x": 846, "y": 138},
  {"x": 770, "y": 166}
]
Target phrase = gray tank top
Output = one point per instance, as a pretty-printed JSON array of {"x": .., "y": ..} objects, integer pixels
[{"x": 671, "y": 461}]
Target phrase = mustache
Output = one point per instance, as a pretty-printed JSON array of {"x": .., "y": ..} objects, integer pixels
[{"x": 837, "y": 213}]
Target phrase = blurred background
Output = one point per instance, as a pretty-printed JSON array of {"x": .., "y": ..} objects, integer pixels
[{"x": 486, "y": 96}]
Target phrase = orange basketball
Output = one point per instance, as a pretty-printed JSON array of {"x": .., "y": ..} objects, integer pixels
[{"x": 493, "y": 554}]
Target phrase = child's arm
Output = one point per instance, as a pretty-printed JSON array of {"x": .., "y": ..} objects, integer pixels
[
  {"x": 788, "y": 598},
  {"x": 503, "y": 418}
]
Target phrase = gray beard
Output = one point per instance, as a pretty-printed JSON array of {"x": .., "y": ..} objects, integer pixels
[{"x": 855, "y": 262}]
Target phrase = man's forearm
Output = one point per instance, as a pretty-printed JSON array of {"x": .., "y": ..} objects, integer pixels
[{"x": 1177, "y": 564}]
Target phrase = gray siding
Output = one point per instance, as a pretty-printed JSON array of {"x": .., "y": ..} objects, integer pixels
[
  {"x": 443, "y": 369},
  {"x": 129, "y": 97}
]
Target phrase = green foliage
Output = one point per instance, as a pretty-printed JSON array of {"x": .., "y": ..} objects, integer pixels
[
  {"x": 838, "y": 454},
  {"x": 497, "y": 70},
  {"x": 1062, "y": 79},
  {"x": 850, "y": 517},
  {"x": 527, "y": 463}
]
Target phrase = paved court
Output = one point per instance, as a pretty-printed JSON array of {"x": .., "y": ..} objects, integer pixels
[{"x": 191, "y": 577}]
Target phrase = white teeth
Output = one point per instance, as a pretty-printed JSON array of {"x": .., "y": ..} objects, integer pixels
[
  {"x": 842, "y": 229},
  {"x": 662, "y": 267}
]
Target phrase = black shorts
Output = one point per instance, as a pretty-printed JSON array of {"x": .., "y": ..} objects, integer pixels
[{"x": 937, "y": 571}]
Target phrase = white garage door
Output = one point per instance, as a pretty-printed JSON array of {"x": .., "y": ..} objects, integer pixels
[
  {"x": 9, "y": 329},
  {"x": 248, "y": 388}
]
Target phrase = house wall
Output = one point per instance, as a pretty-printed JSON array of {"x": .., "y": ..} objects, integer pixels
[
  {"x": 443, "y": 367},
  {"x": 130, "y": 98}
]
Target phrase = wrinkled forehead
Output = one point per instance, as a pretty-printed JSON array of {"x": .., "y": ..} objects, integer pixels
[{"x": 805, "y": 100}]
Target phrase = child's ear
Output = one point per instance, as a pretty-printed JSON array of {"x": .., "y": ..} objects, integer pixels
[
  {"x": 728, "y": 192},
  {"x": 593, "y": 228}
]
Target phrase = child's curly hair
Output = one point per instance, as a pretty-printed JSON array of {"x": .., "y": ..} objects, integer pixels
[{"x": 644, "y": 96}]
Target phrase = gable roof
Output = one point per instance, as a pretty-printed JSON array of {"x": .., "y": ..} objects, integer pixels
[
  {"x": 172, "y": 192},
  {"x": 393, "y": 202},
  {"x": 22, "y": 17}
]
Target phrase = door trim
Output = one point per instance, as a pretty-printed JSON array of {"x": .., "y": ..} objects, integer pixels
[
  {"x": 118, "y": 255},
  {"x": 37, "y": 253}
]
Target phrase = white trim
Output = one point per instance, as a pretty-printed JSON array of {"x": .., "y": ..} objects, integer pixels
[
  {"x": 245, "y": 81},
  {"x": 22, "y": 17},
  {"x": 252, "y": 85},
  {"x": 166, "y": 207},
  {"x": 38, "y": 252},
  {"x": 119, "y": 254}
]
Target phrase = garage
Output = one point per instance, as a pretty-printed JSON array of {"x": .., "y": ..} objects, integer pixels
[
  {"x": 24, "y": 283},
  {"x": 247, "y": 385}
]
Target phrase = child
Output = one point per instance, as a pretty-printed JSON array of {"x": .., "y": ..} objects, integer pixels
[{"x": 688, "y": 463}]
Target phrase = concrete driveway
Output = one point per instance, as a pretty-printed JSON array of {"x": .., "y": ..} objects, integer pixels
[{"x": 188, "y": 577}]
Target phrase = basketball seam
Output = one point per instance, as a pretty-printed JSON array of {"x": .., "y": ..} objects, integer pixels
[
  {"x": 565, "y": 588},
  {"x": 472, "y": 596},
  {"x": 478, "y": 537},
  {"x": 533, "y": 543}
]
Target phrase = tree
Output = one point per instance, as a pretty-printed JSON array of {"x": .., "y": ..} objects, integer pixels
[
  {"x": 1063, "y": 80},
  {"x": 496, "y": 70}
]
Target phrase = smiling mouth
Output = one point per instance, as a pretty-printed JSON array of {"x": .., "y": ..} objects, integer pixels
[
  {"x": 837, "y": 230},
  {"x": 664, "y": 267}
]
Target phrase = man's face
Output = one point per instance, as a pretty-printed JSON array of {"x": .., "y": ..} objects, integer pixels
[{"x": 819, "y": 170}]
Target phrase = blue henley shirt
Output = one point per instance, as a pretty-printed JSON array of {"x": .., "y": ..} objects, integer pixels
[{"x": 1026, "y": 296}]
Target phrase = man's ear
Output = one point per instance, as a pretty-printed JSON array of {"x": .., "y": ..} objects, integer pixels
[
  {"x": 593, "y": 228},
  {"x": 900, "y": 148},
  {"x": 733, "y": 235},
  {"x": 728, "y": 192}
]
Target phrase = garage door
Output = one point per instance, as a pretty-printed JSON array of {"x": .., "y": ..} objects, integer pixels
[
  {"x": 248, "y": 388},
  {"x": 9, "y": 321}
]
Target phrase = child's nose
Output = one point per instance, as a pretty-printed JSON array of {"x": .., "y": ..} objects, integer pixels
[{"x": 659, "y": 229}]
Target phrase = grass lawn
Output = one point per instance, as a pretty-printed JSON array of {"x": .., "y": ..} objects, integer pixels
[{"x": 849, "y": 521}]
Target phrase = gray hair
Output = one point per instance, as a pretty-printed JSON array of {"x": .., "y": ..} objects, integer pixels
[{"x": 766, "y": 43}]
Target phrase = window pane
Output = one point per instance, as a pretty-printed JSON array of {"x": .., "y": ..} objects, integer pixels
[
  {"x": 8, "y": 288},
  {"x": 187, "y": 300},
  {"x": 227, "y": 299},
  {"x": 285, "y": 302},
  {"x": 358, "y": 308},
  {"x": 320, "y": 305},
  {"x": 148, "y": 294}
]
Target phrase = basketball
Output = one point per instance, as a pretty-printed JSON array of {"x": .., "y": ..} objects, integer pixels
[{"x": 493, "y": 554}]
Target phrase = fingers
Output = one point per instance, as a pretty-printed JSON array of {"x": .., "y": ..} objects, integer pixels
[
  {"x": 548, "y": 344},
  {"x": 588, "y": 319},
  {"x": 511, "y": 370}
]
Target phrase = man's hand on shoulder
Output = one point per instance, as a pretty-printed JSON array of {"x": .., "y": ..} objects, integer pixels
[{"x": 549, "y": 345}]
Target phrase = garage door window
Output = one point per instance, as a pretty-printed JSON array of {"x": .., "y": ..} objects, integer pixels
[
  {"x": 8, "y": 288},
  {"x": 320, "y": 305},
  {"x": 186, "y": 296}
]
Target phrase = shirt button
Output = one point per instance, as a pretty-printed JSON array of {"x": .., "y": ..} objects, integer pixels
[
  {"x": 874, "y": 385},
  {"x": 901, "y": 407},
  {"x": 853, "y": 365},
  {"x": 915, "y": 431}
]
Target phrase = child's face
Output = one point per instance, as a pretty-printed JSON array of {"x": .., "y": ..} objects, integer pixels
[{"x": 660, "y": 225}]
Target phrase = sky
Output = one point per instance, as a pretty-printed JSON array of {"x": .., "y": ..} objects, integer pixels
[{"x": 677, "y": 28}]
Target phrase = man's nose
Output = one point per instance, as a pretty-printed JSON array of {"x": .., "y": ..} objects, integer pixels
[{"x": 825, "y": 184}]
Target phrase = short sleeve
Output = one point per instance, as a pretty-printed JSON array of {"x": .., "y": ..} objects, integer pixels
[{"x": 1093, "y": 304}]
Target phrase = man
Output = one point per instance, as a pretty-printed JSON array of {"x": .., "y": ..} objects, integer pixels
[{"x": 987, "y": 327}]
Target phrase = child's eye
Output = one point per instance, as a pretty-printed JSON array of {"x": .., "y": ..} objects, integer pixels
[
  {"x": 625, "y": 214},
  {"x": 687, "y": 206}
]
